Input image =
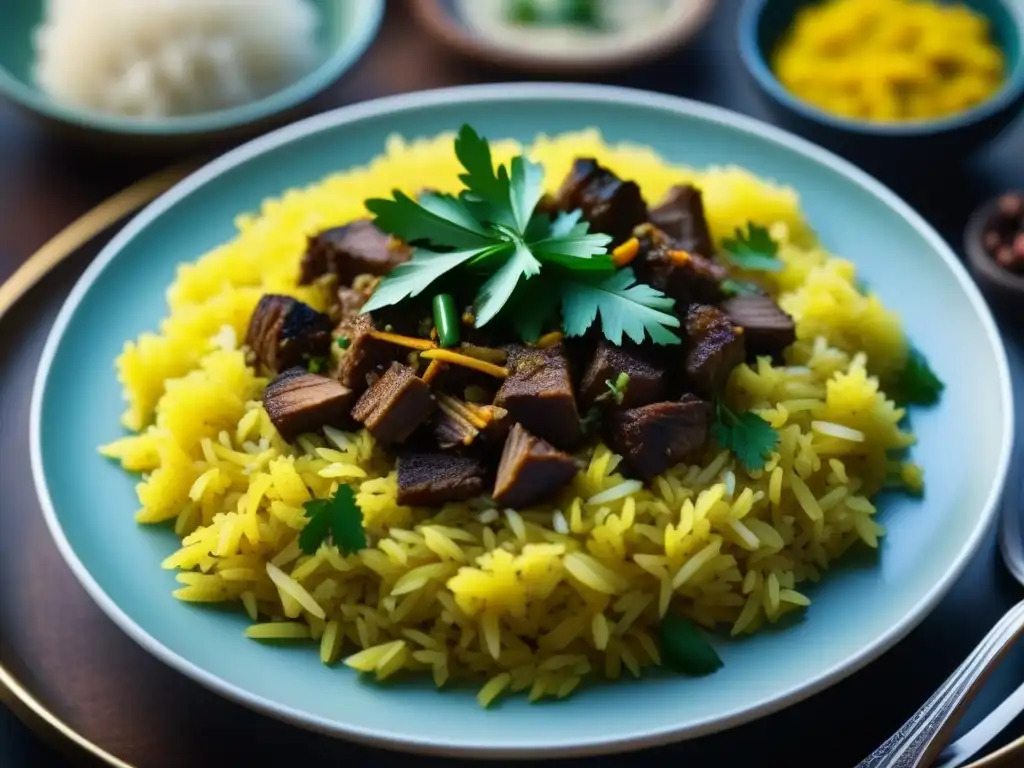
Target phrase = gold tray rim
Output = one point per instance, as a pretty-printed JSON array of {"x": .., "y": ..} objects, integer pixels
[{"x": 25, "y": 706}]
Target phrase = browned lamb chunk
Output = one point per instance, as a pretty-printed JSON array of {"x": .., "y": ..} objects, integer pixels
[
  {"x": 538, "y": 394},
  {"x": 768, "y": 330},
  {"x": 681, "y": 216},
  {"x": 656, "y": 437},
  {"x": 362, "y": 352},
  {"x": 714, "y": 347},
  {"x": 646, "y": 379},
  {"x": 358, "y": 248},
  {"x": 298, "y": 401},
  {"x": 611, "y": 205},
  {"x": 394, "y": 405},
  {"x": 433, "y": 479},
  {"x": 685, "y": 276},
  {"x": 530, "y": 470},
  {"x": 285, "y": 332}
]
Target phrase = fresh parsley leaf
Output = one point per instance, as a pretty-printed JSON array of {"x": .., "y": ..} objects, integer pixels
[
  {"x": 685, "y": 649},
  {"x": 499, "y": 287},
  {"x": 626, "y": 307},
  {"x": 343, "y": 342},
  {"x": 918, "y": 383},
  {"x": 338, "y": 517},
  {"x": 576, "y": 251},
  {"x": 739, "y": 287},
  {"x": 754, "y": 250},
  {"x": 415, "y": 276},
  {"x": 438, "y": 219},
  {"x": 525, "y": 189},
  {"x": 747, "y": 435},
  {"x": 482, "y": 183}
]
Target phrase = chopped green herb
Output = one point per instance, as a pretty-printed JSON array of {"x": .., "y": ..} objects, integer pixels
[
  {"x": 747, "y": 435},
  {"x": 446, "y": 320},
  {"x": 685, "y": 649},
  {"x": 316, "y": 364},
  {"x": 918, "y": 383},
  {"x": 625, "y": 306},
  {"x": 492, "y": 238},
  {"x": 754, "y": 250},
  {"x": 342, "y": 342},
  {"x": 739, "y": 287},
  {"x": 338, "y": 518},
  {"x": 617, "y": 388}
]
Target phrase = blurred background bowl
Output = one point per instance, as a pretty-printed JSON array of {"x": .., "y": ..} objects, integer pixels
[
  {"x": 761, "y": 27},
  {"x": 1003, "y": 289},
  {"x": 346, "y": 29},
  {"x": 448, "y": 21}
]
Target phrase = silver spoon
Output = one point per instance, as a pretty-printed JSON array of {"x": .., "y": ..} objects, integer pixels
[{"x": 920, "y": 740}]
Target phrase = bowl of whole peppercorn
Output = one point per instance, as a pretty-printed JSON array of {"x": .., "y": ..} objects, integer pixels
[{"x": 995, "y": 249}]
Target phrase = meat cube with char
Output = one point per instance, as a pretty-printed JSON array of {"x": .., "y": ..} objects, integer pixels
[
  {"x": 681, "y": 216},
  {"x": 714, "y": 347},
  {"x": 285, "y": 332},
  {"x": 538, "y": 394},
  {"x": 362, "y": 354},
  {"x": 656, "y": 437},
  {"x": 611, "y": 205},
  {"x": 530, "y": 470},
  {"x": 354, "y": 249},
  {"x": 298, "y": 401},
  {"x": 433, "y": 479},
  {"x": 394, "y": 405},
  {"x": 767, "y": 329},
  {"x": 646, "y": 379},
  {"x": 685, "y": 276}
]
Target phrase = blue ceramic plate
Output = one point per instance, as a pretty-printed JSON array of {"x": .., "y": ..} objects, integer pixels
[{"x": 859, "y": 610}]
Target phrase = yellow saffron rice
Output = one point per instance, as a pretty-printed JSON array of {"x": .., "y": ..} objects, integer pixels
[{"x": 525, "y": 601}]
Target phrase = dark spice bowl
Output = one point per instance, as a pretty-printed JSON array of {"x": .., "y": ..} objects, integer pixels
[
  {"x": 1003, "y": 287},
  {"x": 762, "y": 25}
]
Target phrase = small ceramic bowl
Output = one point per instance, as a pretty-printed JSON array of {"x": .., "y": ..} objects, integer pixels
[
  {"x": 467, "y": 27},
  {"x": 1002, "y": 287},
  {"x": 763, "y": 23},
  {"x": 345, "y": 31}
]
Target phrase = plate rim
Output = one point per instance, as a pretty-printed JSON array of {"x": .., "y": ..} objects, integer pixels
[{"x": 513, "y": 92}]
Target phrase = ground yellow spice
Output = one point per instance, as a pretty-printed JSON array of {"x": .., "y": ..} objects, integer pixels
[{"x": 889, "y": 60}]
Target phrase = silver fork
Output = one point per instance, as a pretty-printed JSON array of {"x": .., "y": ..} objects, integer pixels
[{"x": 920, "y": 740}]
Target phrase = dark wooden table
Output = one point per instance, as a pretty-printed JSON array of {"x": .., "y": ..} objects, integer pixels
[{"x": 44, "y": 185}]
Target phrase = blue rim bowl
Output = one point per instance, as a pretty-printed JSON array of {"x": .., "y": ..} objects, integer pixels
[
  {"x": 344, "y": 33},
  {"x": 762, "y": 24}
]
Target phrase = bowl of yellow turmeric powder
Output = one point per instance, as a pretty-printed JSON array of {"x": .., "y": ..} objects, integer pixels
[{"x": 867, "y": 76}]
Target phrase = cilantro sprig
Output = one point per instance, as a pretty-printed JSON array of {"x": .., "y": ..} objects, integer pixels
[
  {"x": 753, "y": 250},
  {"x": 750, "y": 438},
  {"x": 491, "y": 239},
  {"x": 338, "y": 519}
]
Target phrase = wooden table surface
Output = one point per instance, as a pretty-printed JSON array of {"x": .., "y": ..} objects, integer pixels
[{"x": 44, "y": 185}]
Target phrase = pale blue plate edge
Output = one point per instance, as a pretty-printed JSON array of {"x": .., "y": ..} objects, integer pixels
[{"x": 513, "y": 92}]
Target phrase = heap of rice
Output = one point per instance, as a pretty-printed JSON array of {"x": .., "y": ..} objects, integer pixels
[
  {"x": 535, "y": 599},
  {"x": 159, "y": 58}
]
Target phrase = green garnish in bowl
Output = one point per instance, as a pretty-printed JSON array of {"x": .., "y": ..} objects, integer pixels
[{"x": 491, "y": 240}]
